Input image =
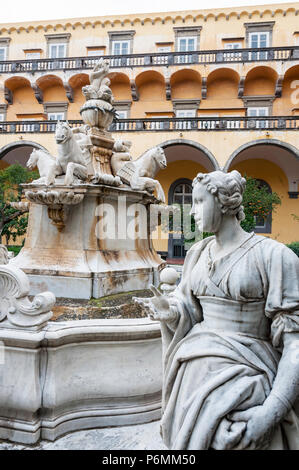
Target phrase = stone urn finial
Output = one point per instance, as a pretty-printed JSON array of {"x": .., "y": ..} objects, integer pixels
[
  {"x": 168, "y": 277},
  {"x": 98, "y": 111}
]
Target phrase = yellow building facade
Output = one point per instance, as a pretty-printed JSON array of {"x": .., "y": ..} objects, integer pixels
[{"x": 217, "y": 89}]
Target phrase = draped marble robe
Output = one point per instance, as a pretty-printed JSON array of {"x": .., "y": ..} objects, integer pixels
[{"x": 221, "y": 354}]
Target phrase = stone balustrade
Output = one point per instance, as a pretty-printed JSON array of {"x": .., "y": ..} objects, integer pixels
[
  {"x": 233, "y": 123},
  {"x": 267, "y": 54}
]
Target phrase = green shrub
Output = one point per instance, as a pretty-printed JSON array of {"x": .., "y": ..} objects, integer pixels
[
  {"x": 15, "y": 248},
  {"x": 294, "y": 247}
]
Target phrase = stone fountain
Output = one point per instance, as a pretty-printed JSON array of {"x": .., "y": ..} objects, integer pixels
[
  {"x": 69, "y": 249},
  {"x": 88, "y": 236}
]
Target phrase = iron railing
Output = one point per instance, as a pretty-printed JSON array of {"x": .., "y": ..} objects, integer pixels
[
  {"x": 153, "y": 60},
  {"x": 207, "y": 124}
]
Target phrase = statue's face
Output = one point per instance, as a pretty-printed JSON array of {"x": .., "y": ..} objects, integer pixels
[
  {"x": 32, "y": 160},
  {"x": 205, "y": 209},
  {"x": 61, "y": 133},
  {"x": 161, "y": 158}
]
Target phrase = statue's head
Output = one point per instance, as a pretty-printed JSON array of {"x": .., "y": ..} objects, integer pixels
[
  {"x": 101, "y": 64},
  {"x": 160, "y": 157},
  {"x": 122, "y": 145},
  {"x": 106, "y": 81},
  {"x": 217, "y": 194},
  {"x": 63, "y": 132},
  {"x": 32, "y": 159}
]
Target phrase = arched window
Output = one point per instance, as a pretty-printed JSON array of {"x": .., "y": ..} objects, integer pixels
[
  {"x": 263, "y": 225},
  {"x": 180, "y": 192}
]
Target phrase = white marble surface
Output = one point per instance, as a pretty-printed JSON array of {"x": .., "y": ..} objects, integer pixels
[
  {"x": 78, "y": 375},
  {"x": 138, "y": 437},
  {"x": 229, "y": 332}
]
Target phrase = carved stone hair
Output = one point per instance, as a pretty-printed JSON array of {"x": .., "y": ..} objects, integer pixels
[{"x": 228, "y": 189}]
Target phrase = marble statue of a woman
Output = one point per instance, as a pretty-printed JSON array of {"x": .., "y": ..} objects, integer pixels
[{"x": 230, "y": 333}]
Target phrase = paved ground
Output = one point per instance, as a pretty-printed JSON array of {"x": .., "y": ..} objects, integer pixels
[{"x": 138, "y": 437}]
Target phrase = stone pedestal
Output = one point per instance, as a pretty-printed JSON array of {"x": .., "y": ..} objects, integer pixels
[
  {"x": 102, "y": 246},
  {"x": 101, "y": 151}
]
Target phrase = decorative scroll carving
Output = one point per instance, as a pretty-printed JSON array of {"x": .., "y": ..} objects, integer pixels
[
  {"x": 168, "y": 88},
  {"x": 56, "y": 202},
  {"x": 278, "y": 86},
  {"x": 58, "y": 216},
  {"x": 50, "y": 198},
  {"x": 21, "y": 206},
  {"x": 134, "y": 90},
  {"x": 241, "y": 87},
  {"x": 4, "y": 258},
  {"x": 69, "y": 92},
  {"x": 15, "y": 304},
  {"x": 101, "y": 160},
  {"x": 8, "y": 95},
  {"x": 204, "y": 88},
  {"x": 38, "y": 93}
]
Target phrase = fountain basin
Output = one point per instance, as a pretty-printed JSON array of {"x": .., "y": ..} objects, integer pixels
[{"x": 76, "y": 375}]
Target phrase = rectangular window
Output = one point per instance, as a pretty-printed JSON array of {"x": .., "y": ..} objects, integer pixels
[
  {"x": 258, "y": 40},
  {"x": 258, "y": 112},
  {"x": 95, "y": 52},
  {"x": 57, "y": 51},
  {"x": 32, "y": 55},
  {"x": 120, "y": 47},
  {"x": 55, "y": 116},
  {"x": 187, "y": 44},
  {"x": 57, "y": 48},
  {"x": 2, "y": 53},
  {"x": 233, "y": 45},
  {"x": 163, "y": 49},
  {"x": 2, "y": 57},
  {"x": 185, "y": 113}
]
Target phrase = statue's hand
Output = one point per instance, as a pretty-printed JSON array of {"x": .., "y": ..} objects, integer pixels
[
  {"x": 260, "y": 426},
  {"x": 156, "y": 307}
]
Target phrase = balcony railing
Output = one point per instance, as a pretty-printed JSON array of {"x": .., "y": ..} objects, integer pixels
[
  {"x": 203, "y": 124},
  {"x": 153, "y": 60}
]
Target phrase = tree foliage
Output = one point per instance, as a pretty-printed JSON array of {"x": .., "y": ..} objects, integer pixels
[
  {"x": 258, "y": 203},
  {"x": 13, "y": 222}
]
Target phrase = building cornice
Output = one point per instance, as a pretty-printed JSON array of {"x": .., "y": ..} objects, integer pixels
[{"x": 245, "y": 13}]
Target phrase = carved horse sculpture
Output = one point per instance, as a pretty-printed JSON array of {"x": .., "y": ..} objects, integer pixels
[
  {"x": 71, "y": 160},
  {"x": 46, "y": 165},
  {"x": 140, "y": 174}
]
